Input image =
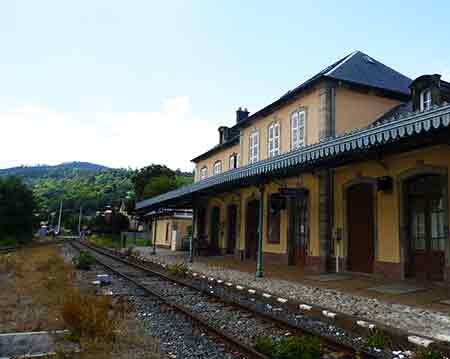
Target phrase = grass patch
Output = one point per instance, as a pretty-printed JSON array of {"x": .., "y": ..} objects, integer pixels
[
  {"x": 83, "y": 261},
  {"x": 105, "y": 241},
  {"x": 8, "y": 242},
  {"x": 376, "y": 339},
  {"x": 37, "y": 292},
  {"x": 295, "y": 347},
  {"x": 177, "y": 268},
  {"x": 427, "y": 353}
]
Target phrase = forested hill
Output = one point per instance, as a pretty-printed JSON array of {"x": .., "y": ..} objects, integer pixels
[
  {"x": 84, "y": 184},
  {"x": 75, "y": 183}
]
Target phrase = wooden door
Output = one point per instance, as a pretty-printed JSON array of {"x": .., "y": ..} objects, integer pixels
[
  {"x": 251, "y": 231},
  {"x": 360, "y": 220},
  {"x": 298, "y": 230},
  {"x": 426, "y": 229},
  {"x": 215, "y": 229},
  {"x": 231, "y": 228}
]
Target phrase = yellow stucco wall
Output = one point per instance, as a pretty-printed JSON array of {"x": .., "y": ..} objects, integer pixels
[
  {"x": 243, "y": 196},
  {"x": 357, "y": 110},
  {"x": 223, "y": 155},
  {"x": 310, "y": 100},
  {"x": 181, "y": 224},
  {"x": 387, "y": 214}
]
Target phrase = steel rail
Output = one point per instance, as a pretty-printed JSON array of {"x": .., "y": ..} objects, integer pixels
[
  {"x": 330, "y": 342},
  {"x": 242, "y": 348}
]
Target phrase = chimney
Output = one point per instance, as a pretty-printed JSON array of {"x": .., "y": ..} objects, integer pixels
[{"x": 241, "y": 114}]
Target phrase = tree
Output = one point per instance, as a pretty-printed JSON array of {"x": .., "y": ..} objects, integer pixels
[
  {"x": 17, "y": 206},
  {"x": 152, "y": 180}
]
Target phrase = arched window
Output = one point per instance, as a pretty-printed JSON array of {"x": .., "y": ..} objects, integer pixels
[
  {"x": 425, "y": 100},
  {"x": 217, "y": 168},
  {"x": 298, "y": 129},
  {"x": 274, "y": 139},
  {"x": 254, "y": 147},
  {"x": 204, "y": 173}
]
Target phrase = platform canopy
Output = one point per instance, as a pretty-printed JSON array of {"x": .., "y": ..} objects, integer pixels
[{"x": 392, "y": 135}]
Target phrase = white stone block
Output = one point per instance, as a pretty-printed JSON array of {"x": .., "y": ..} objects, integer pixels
[
  {"x": 328, "y": 314},
  {"x": 305, "y": 307},
  {"x": 239, "y": 287},
  {"x": 423, "y": 342},
  {"x": 266, "y": 295},
  {"x": 252, "y": 291},
  {"x": 282, "y": 300}
]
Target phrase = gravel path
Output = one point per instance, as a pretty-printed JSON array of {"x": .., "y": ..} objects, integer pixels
[{"x": 415, "y": 320}]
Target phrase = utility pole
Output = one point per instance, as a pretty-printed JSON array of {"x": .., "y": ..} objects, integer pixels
[
  {"x": 79, "y": 221},
  {"x": 59, "y": 219}
]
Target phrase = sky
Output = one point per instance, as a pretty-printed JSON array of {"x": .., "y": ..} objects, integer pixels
[{"x": 131, "y": 83}]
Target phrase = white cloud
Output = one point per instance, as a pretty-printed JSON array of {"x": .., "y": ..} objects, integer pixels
[{"x": 171, "y": 136}]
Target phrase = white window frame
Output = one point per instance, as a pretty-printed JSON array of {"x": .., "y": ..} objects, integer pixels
[
  {"x": 274, "y": 139},
  {"x": 253, "y": 154},
  {"x": 217, "y": 169},
  {"x": 204, "y": 172},
  {"x": 233, "y": 161},
  {"x": 298, "y": 124},
  {"x": 425, "y": 100}
]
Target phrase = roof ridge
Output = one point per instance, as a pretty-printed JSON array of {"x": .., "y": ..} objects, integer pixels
[{"x": 341, "y": 62}]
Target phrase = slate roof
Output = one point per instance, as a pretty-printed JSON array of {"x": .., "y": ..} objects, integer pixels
[
  {"x": 357, "y": 68},
  {"x": 393, "y": 132}
]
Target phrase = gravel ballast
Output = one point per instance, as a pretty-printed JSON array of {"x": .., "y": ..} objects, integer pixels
[{"x": 412, "y": 319}]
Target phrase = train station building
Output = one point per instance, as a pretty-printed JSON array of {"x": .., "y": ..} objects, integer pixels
[{"x": 348, "y": 172}]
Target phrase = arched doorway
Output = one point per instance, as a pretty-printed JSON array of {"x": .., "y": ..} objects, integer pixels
[
  {"x": 251, "y": 229},
  {"x": 298, "y": 232},
  {"x": 231, "y": 228},
  {"x": 361, "y": 228},
  {"x": 426, "y": 220},
  {"x": 215, "y": 229}
]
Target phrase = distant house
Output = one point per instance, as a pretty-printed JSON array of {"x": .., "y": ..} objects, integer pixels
[
  {"x": 169, "y": 227},
  {"x": 346, "y": 172}
]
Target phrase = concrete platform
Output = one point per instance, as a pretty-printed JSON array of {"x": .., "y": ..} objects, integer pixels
[
  {"x": 398, "y": 288},
  {"x": 30, "y": 344},
  {"x": 331, "y": 277}
]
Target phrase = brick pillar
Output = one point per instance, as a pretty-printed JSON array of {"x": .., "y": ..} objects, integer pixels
[{"x": 327, "y": 111}]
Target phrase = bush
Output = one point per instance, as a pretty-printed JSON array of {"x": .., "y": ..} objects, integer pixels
[
  {"x": 304, "y": 347},
  {"x": 83, "y": 261},
  {"x": 177, "y": 268},
  {"x": 90, "y": 316},
  {"x": 266, "y": 346},
  {"x": 426, "y": 353},
  {"x": 375, "y": 339}
]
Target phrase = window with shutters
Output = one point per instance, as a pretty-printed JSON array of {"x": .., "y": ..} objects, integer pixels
[
  {"x": 217, "y": 168},
  {"x": 274, "y": 139},
  {"x": 298, "y": 129},
  {"x": 254, "y": 147},
  {"x": 204, "y": 173}
]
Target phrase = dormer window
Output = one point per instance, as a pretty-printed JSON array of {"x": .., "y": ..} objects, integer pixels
[
  {"x": 425, "y": 100},
  {"x": 204, "y": 173},
  {"x": 217, "y": 168}
]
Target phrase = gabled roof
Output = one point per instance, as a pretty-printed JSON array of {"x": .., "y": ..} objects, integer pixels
[{"x": 407, "y": 127}]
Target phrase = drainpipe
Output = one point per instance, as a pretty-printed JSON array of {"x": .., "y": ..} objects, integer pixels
[
  {"x": 191, "y": 240},
  {"x": 154, "y": 236},
  {"x": 259, "y": 265}
]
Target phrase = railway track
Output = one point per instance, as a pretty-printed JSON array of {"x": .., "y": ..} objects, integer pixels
[{"x": 211, "y": 309}]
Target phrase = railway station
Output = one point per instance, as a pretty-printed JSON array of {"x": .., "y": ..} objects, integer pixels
[{"x": 346, "y": 173}]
